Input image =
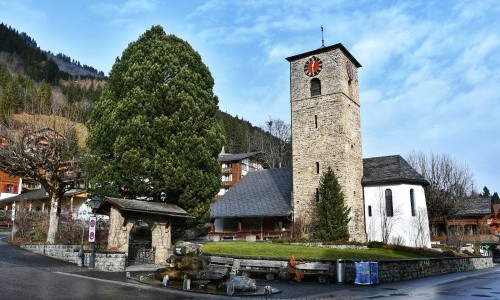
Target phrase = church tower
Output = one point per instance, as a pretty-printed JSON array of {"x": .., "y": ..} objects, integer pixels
[{"x": 326, "y": 131}]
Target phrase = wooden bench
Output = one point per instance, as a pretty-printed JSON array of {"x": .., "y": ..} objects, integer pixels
[
  {"x": 322, "y": 270},
  {"x": 273, "y": 268},
  {"x": 5, "y": 224},
  {"x": 221, "y": 261},
  {"x": 270, "y": 268}
]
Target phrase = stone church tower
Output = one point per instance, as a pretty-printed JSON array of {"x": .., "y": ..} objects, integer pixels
[{"x": 326, "y": 131}]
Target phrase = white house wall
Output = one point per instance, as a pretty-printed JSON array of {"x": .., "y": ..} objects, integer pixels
[{"x": 407, "y": 230}]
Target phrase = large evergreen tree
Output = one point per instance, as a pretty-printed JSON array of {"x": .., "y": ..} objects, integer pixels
[
  {"x": 154, "y": 130},
  {"x": 333, "y": 214},
  {"x": 495, "y": 199}
]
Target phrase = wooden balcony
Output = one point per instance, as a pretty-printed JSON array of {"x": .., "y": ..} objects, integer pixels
[
  {"x": 226, "y": 170},
  {"x": 242, "y": 235},
  {"x": 467, "y": 239},
  {"x": 227, "y": 183}
]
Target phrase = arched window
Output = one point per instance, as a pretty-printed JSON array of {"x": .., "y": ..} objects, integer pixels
[
  {"x": 315, "y": 87},
  {"x": 412, "y": 203},
  {"x": 388, "y": 203}
]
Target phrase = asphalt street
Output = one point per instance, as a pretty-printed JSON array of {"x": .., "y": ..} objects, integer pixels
[{"x": 26, "y": 275}]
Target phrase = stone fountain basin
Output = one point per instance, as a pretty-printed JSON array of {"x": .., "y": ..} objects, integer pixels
[{"x": 197, "y": 286}]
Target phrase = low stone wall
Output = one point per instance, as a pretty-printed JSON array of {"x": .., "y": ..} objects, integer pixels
[
  {"x": 388, "y": 271},
  {"x": 109, "y": 262},
  {"x": 399, "y": 270}
]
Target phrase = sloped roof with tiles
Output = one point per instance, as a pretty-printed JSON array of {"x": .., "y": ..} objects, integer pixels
[
  {"x": 390, "y": 170},
  {"x": 237, "y": 157},
  {"x": 262, "y": 193},
  {"x": 39, "y": 194},
  {"x": 479, "y": 206}
]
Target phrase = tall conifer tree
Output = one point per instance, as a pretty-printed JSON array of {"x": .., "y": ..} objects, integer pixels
[
  {"x": 333, "y": 214},
  {"x": 154, "y": 130}
]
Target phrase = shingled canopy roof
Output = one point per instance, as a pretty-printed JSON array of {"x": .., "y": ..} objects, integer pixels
[
  {"x": 262, "y": 193},
  {"x": 140, "y": 206},
  {"x": 237, "y": 157},
  {"x": 390, "y": 170}
]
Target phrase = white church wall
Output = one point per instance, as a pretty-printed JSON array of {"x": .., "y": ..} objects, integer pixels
[{"x": 402, "y": 228}]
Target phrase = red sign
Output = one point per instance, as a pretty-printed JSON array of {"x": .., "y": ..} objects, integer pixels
[{"x": 92, "y": 223}]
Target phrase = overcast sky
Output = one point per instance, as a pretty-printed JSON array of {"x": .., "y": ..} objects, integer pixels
[{"x": 430, "y": 79}]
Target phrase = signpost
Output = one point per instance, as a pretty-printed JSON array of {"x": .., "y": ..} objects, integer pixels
[
  {"x": 13, "y": 217},
  {"x": 92, "y": 225},
  {"x": 94, "y": 205}
]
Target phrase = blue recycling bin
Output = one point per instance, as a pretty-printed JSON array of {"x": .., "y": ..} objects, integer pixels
[{"x": 366, "y": 272}]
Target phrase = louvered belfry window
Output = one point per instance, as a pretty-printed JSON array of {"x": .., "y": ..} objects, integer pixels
[{"x": 315, "y": 87}]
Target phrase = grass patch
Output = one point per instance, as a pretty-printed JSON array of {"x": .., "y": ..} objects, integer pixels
[{"x": 284, "y": 251}]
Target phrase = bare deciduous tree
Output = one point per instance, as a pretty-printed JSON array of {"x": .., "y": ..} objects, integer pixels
[
  {"x": 451, "y": 184},
  {"x": 277, "y": 147},
  {"x": 421, "y": 228},
  {"x": 382, "y": 223},
  {"x": 44, "y": 149}
]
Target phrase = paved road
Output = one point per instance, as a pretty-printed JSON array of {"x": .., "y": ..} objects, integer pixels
[{"x": 25, "y": 275}]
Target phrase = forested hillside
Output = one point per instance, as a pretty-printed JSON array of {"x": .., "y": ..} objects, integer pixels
[{"x": 30, "y": 78}]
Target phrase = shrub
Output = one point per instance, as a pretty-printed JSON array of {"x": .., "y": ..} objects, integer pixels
[
  {"x": 448, "y": 253},
  {"x": 375, "y": 244}
]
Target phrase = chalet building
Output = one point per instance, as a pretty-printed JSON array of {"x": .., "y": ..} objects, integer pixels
[
  {"x": 235, "y": 166},
  {"x": 384, "y": 194},
  {"x": 469, "y": 226},
  {"x": 9, "y": 185},
  {"x": 38, "y": 201},
  {"x": 258, "y": 206}
]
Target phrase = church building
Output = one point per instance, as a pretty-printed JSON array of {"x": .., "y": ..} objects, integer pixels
[{"x": 326, "y": 132}]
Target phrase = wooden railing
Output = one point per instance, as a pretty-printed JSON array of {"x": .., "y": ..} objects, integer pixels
[
  {"x": 259, "y": 234},
  {"x": 467, "y": 239},
  {"x": 226, "y": 170}
]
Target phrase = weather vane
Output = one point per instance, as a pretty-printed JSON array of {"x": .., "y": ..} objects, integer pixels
[{"x": 322, "y": 39}]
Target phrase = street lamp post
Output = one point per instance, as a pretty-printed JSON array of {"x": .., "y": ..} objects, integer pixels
[{"x": 94, "y": 205}]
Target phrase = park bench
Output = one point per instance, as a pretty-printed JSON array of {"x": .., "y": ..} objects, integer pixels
[
  {"x": 273, "y": 268},
  {"x": 322, "y": 270},
  {"x": 269, "y": 268},
  {"x": 5, "y": 224}
]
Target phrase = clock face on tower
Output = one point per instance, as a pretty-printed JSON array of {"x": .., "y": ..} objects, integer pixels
[{"x": 313, "y": 66}]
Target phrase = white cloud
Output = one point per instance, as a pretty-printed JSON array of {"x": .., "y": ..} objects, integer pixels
[{"x": 114, "y": 9}]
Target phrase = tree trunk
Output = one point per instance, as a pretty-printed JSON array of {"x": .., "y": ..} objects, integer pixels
[
  {"x": 446, "y": 231},
  {"x": 53, "y": 220}
]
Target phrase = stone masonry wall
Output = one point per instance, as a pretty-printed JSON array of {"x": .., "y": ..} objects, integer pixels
[
  {"x": 326, "y": 129},
  {"x": 110, "y": 262},
  {"x": 388, "y": 271},
  {"x": 391, "y": 271}
]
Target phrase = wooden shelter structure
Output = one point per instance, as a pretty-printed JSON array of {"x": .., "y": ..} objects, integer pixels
[{"x": 141, "y": 229}]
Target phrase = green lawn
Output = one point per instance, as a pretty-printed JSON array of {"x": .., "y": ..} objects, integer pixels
[{"x": 278, "y": 250}]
